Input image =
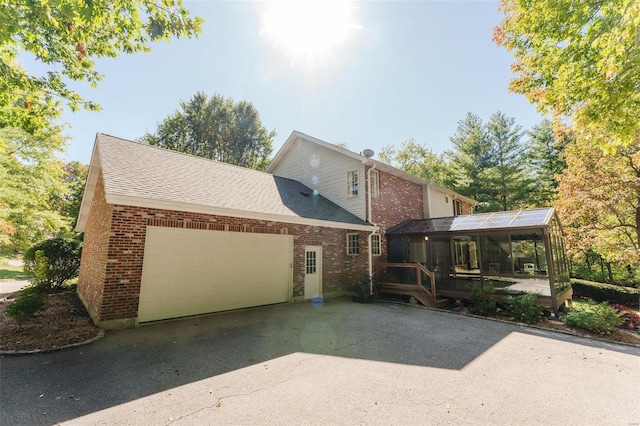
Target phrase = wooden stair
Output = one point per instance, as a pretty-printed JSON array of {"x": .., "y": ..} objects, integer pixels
[{"x": 425, "y": 294}]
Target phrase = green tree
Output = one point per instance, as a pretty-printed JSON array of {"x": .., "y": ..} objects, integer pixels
[
  {"x": 578, "y": 59},
  {"x": 75, "y": 175},
  {"x": 31, "y": 179},
  {"x": 506, "y": 181},
  {"x": 218, "y": 129},
  {"x": 417, "y": 160},
  {"x": 545, "y": 157},
  {"x": 67, "y": 36},
  {"x": 470, "y": 159},
  {"x": 600, "y": 198}
]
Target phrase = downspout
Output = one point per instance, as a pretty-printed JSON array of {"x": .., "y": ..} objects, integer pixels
[{"x": 370, "y": 218}]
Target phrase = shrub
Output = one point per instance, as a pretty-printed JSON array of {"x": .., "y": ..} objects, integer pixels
[
  {"x": 482, "y": 301},
  {"x": 26, "y": 305},
  {"x": 597, "y": 317},
  {"x": 630, "y": 317},
  {"x": 53, "y": 262},
  {"x": 524, "y": 308},
  {"x": 361, "y": 291},
  {"x": 601, "y": 292}
]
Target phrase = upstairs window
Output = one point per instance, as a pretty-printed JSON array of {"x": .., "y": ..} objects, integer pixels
[
  {"x": 375, "y": 245},
  {"x": 457, "y": 207},
  {"x": 375, "y": 184},
  {"x": 353, "y": 244},
  {"x": 352, "y": 183}
]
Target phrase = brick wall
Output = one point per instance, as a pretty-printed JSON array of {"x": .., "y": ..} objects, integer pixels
[
  {"x": 95, "y": 250},
  {"x": 117, "y": 271},
  {"x": 399, "y": 200}
]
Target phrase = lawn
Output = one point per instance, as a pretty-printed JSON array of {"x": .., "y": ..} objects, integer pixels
[{"x": 12, "y": 272}]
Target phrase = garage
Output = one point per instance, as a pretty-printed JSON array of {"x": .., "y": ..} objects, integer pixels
[{"x": 190, "y": 272}]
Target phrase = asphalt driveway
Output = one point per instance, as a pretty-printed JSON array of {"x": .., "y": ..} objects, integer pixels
[{"x": 339, "y": 363}]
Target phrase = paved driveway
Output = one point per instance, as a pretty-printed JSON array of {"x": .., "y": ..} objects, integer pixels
[{"x": 342, "y": 363}]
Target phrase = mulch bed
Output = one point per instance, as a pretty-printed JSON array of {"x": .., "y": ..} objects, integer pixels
[{"x": 63, "y": 321}]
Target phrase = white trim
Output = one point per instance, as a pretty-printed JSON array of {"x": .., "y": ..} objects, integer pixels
[
  {"x": 90, "y": 187},
  {"x": 379, "y": 244},
  {"x": 221, "y": 211}
]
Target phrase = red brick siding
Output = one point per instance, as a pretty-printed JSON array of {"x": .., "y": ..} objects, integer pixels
[
  {"x": 399, "y": 200},
  {"x": 467, "y": 208},
  {"x": 94, "y": 252},
  {"x": 123, "y": 270}
]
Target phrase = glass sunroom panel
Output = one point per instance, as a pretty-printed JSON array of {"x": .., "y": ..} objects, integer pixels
[
  {"x": 465, "y": 255},
  {"x": 529, "y": 255},
  {"x": 496, "y": 255}
]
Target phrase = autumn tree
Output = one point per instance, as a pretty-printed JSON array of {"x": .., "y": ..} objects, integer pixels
[
  {"x": 600, "y": 198},
  {"x": 68, "y": 37},
  {"x": 216, "y": 128},
  {"x": 545, "y": 159},
  {"x": 470, "y": 159},
  {"x": 417, "y": 160},
  {"x": 579, "y": 60}
]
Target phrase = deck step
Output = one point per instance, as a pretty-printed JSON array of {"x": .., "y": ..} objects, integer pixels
[{"x": 440, "y": 302}]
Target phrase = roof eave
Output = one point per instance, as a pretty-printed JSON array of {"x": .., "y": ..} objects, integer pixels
[{"x": 90, "y": 187}]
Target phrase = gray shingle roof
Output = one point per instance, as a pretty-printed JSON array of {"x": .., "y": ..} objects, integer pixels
[{"x": 132, "y": 169}]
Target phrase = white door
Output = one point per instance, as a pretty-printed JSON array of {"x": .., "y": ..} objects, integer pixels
[
  {"x": 313, "y": 272},
  {"x": 189, "y": 271}
]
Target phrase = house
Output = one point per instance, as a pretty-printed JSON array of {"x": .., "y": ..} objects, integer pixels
[{"x": 169, "y": 235}]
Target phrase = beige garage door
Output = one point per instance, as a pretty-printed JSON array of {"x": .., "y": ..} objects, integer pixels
[{"x": 190, "y": 272}]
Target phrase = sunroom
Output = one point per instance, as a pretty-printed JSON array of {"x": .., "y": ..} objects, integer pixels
[{"x": 513, "y": 252}]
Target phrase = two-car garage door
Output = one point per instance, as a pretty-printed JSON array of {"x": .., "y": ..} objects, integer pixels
[{"x": 190, "y": 272}]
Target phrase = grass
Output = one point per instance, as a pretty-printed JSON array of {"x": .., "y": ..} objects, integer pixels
[{"x": 12, "y": 272}]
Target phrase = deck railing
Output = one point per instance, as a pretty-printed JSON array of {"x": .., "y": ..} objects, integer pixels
[{"x": 406, "y": 278}]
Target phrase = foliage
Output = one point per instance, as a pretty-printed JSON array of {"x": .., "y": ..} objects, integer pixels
[
  {"x": 53, "y": 262},
  {"x": 505, "y": 177},
  {"x": 26, "y": 305},
  {"x": 68, "y": 37},
  {"x": 362, "y": 291},
  {"x": 524, "y": 308},
  {"x": 417, "y": 160},
  {"x": 596, "y": 317},
  {"x": 470, "y": 158},
  {"x": 600, "y": 199},
  {"x": 578, "y": 59},
  {"x": 30, "y": 182},
  {"x": 545, "y": 157},
  {"x": 602, "y": 292},
  {"x": 482, "y": 301},
  {"x": 75, "y": 175},
  {"x": 591, "y": 266},
  {"x": 630, "y": 317},
  {"x": 218, "y": 129}
]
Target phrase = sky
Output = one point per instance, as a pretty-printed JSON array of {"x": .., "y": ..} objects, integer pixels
[{"x": 386, "y": 72}]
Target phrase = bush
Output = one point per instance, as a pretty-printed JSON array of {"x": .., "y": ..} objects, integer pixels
[
  {"x": 601, "y": 292},
  {"x": 361, "y": 291},
  {"x": 26, "y": 305},
  {"x": 631, "y": 318},
  {"x": 524, "y": 308},
  {"x": 597, "y": 317},
  {"x": 53, "y": 262},
  {"x": 482, "y": 301}
]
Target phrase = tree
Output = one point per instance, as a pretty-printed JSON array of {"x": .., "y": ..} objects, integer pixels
[
  {"x": 578, "y": 59},
  {"x": 31, "y": 179},
  {"x": 417, "y": 160},
  {"x": 68, "y": 205},
  {"x": 506, "y": 181},
  {"x": 470, "y": 159},
  {"x": 217, "y": 129},
  {"x": 600, "y": 198},
  {"x": 545, "y": 156},
  {"x": 68, "y": 36}
]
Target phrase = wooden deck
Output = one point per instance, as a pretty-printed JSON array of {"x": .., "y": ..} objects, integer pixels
[{"x": 408, "y": 279}]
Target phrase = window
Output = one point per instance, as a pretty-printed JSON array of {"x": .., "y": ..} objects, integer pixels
[
  {"x": 457, "y": 207},
  {"x": 353, "y": 244},
  {"x": 375, "y": 184},
  {"x": 375, "y": 245},
  {"x": 352, "y": 183},
  {"x": 311, "y": 264}
]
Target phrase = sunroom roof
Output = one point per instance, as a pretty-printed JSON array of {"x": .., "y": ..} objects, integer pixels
[{"x": 478, "y": 222}]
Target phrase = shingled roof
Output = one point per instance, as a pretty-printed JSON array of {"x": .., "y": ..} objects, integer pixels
[{"x": 146, "y": 176}]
